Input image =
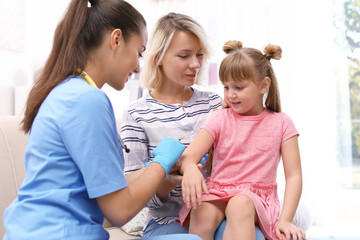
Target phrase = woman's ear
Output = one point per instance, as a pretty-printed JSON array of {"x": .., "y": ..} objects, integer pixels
[
  {"x": 156, "y": 60},
  {"x": 265, "y": 85},
  {"x": 116, "y": 38}
]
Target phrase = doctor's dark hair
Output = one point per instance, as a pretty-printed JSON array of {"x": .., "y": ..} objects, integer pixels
[
  {"x": 80, "y": 32},
  {"x": 251, "y": 64}
]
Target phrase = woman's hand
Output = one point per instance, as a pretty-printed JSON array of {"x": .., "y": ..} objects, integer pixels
[
  {"x": 289, "y": 230},
  {"x": 174, "y": 176},
  {"x": 167, "y": 153},
  {"x": 193, "y": 185}
]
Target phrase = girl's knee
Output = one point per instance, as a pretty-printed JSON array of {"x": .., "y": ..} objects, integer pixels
[
  {"x": 240, "y": 206},
  {"x": 202, "y": 222},
  {"x": 205, "y": 219}
]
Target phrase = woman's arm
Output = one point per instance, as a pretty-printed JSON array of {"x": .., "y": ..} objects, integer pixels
[
  {"x": 120, "y": 206},
  {"x": 193, "y": 182},
  {"x": 293, "y": 175},
  {"x": 172, "y": 180},
  {"x": 134, "y": 175}
]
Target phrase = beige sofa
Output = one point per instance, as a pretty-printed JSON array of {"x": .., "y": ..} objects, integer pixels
[{"x": 12, "y": 148}]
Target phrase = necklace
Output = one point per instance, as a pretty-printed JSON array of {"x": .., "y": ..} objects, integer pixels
[{"x": 87, "y": 78}]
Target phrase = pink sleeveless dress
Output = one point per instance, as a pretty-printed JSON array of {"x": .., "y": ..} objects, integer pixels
[{"x": 246, "y": 157}]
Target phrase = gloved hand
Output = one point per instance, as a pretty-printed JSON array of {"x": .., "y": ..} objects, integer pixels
[
  {"x": 203, "y": 159},
  {"x": 167, "y": 153}
]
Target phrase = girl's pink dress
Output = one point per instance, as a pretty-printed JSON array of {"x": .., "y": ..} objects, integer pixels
[{"x": 246, "y": 157}]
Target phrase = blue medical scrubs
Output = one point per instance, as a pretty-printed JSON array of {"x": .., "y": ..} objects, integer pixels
[{"x": 72, "y": 157}]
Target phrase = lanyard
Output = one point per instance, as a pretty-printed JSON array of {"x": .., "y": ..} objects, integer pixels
[{"x": 87, "y": 78}]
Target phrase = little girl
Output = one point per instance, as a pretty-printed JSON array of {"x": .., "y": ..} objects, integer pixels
[{"x": 248, "y": 138}]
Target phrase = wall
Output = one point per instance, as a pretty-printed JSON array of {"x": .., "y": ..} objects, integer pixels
[
  {"x": 28, "y": 27},
  {"x": 26, "y": 49}
]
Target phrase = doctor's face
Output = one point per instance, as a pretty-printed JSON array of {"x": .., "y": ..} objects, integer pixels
[{"x": 127, "y": 60}]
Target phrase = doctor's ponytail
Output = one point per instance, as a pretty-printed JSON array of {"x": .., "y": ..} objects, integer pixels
[{"x": 80, "y": 32}]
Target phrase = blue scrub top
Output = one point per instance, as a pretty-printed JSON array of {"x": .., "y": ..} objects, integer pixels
[{"x": 72, "y": 157}]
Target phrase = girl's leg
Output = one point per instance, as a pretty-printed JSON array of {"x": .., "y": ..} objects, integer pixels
[
  {"x": 156, "y": 229},
  {"x": 241, "y": 216},
  {"x": 205, "y": 219},
  {"x": 220, "y": 231}
]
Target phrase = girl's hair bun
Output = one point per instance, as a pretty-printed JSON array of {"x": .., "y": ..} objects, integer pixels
[
  {"x": 231, "y": 46},
  {"x": 272, "y": 51}
]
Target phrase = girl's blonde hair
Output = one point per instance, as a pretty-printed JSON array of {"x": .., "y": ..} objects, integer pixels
[
  {"x": 251, "y": 64},
  {"x": 151, "y": 76}
]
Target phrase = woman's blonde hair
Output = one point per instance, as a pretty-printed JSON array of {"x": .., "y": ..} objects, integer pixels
[
  {"x": 151, "y": 76},
  {"x": 251, "y": 64}
]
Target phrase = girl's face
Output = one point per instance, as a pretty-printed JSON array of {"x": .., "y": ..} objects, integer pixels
[
  {"x": 182, "y": 60},
  {"x": 126, "y": 61},
  {"x": 244, "y": 97}
]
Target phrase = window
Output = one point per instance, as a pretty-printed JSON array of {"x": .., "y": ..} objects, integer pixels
[{"x": 347, "y": 21}]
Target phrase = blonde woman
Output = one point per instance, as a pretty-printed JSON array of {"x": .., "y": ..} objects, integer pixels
[{"x": 173, "y": 63}]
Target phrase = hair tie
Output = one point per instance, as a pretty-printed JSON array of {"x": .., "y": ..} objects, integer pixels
[
  {"x": 92, "y": 2},
  {"x": 267, "y": 57}
]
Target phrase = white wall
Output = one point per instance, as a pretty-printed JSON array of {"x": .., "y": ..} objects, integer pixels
[
  {"x": 37, "y": 20},
  {"x": 30, "y": 24}
]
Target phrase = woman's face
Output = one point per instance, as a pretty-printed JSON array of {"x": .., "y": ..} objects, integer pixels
[
  {"x": 182, "y": 60},
  {"x": 126, "y": 61}
]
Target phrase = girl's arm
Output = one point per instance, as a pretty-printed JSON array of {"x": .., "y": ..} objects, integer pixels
[
  {"x": 193, "y": 182},
  {"x": 293, "y": 175}
]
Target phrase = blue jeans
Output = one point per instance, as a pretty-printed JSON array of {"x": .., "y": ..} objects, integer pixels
[
  {"x": 220, "y": 231},
  {"x": 155, "y": 229},
  {"x": 173, "y": 237}
]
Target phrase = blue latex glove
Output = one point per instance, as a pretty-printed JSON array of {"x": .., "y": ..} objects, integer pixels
[
  {"x": 202, "y": 160},
  {"x": 167, "y": 153}
]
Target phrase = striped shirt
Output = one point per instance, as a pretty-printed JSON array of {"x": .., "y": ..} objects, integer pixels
[{"x": 146, "y": 122}]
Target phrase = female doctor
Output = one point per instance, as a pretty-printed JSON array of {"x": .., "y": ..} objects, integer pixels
[{"x": 74, "y": 159}]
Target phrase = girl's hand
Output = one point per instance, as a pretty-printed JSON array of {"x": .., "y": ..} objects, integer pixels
[
  {"x": 289, "y": 230},
  {"x": 224, "y": 103},
  {"x": 193, "y": 184}
]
